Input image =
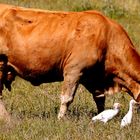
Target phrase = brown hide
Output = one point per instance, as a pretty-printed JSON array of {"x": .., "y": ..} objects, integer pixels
[{"x": 76, "y": 47}]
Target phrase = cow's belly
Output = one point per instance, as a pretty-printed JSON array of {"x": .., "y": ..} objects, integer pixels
[{"x": 44, "y": 77}]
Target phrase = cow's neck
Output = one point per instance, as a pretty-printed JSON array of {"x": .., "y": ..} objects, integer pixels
[
  {"x": 132, "y": 64},
  {"x": 121, "y": 54}
]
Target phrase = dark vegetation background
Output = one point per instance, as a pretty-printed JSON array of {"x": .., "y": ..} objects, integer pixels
[{"x": 34, "y": 109}]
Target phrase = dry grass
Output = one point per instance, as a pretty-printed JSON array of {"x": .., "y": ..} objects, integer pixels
[
  {"x": 34, "y": 109},
  {"x": 34, "y": 116}
]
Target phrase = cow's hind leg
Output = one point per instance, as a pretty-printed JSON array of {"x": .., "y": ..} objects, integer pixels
[
  {"x": 99, "y": 99},
  {"x": 98, "y": 96},
  {"x": 69, "y": 87}
]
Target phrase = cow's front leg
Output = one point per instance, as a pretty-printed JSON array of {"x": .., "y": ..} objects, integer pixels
[
  {"x": 3, "y": 67},
  {"x": 98, "y": 95},
  {"x": 69, "y": 87}
]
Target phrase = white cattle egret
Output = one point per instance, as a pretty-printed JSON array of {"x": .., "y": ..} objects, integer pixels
[
  {"x": 128, "y": 117},
  {"x": 107, "y": 115}
]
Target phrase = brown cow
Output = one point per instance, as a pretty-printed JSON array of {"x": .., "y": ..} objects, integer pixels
[{"x": 73, "y": 47}]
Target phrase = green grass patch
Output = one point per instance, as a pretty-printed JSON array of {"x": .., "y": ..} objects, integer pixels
[{"x": 34, "y": 109}]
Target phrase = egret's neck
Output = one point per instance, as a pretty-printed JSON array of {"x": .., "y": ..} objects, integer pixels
[
  {"x": 117, "y": 109},
  {"x": 130, "y": 107}
]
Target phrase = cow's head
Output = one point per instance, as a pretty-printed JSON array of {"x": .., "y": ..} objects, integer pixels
[{"x": 3, "y": 67}]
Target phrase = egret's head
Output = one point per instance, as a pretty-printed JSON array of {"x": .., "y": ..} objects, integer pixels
[{"x": 116, "y": 105}]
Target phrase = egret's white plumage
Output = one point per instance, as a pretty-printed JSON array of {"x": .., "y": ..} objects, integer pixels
[
  {"x": 107, "y": 115},
  {"x": 128, "y": 117}
]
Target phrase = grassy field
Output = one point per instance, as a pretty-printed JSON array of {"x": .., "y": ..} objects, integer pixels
[{"x": 34, "y": 109}]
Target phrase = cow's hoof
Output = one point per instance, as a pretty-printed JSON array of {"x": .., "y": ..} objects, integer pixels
[{"x": 62, "y": 117}]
